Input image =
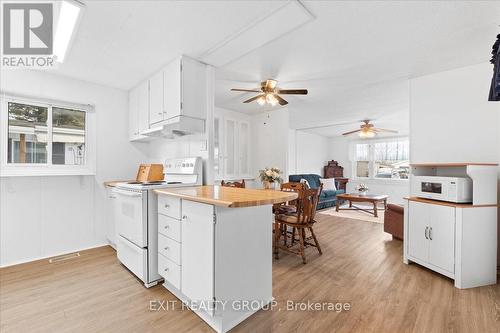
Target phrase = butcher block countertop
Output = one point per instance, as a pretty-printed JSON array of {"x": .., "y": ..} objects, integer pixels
[
  {"x": 228, "y": 196},
  {"x": 112, "y": 183}
]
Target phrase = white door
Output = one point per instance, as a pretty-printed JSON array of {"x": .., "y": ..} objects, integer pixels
[
  {"x": 218, "y": 153},
  {"x": 230, "y": 132},
  {"x": 244, "y": 150},
  {"x": 131, "y": 216},
  {"x": 442, "y": 237},
  {"x": 133, "y": 114},
  {"x": 172, "y": 89},
  {"x": 156, "y": 98},
  {"x": 197, "y": 278},
  {"x": 418, "y": 227},
  {"x": 143, "y": 106}
]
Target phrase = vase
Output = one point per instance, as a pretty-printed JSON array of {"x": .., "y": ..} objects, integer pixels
[{"x": 268, "y": 185}]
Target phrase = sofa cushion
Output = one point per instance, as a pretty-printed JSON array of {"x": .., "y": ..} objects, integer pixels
[{"x": 328, "y": 193}]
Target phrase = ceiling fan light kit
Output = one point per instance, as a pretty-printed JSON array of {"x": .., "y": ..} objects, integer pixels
[
  {"x": 270, "y": 93},
  {"x": 367, "y": 130}
]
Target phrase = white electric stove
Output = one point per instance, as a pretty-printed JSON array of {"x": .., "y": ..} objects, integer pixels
[{"x": 136, "y": 216}]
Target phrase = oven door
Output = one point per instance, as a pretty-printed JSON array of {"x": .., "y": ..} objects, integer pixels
[{"x": 131, "y": 216}]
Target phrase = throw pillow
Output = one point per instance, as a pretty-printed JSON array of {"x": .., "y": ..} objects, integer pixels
[{"x": 328, "y": 184}]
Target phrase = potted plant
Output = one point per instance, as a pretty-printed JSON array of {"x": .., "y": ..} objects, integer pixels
[{"x": 269, "y": 177}]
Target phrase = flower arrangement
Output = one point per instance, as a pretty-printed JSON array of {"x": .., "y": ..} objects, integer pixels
[
  {"x": 362, "y": 188},
  {"x": 269, "y": 176}
]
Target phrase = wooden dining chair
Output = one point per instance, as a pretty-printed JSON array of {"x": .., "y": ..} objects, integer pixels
[
  {"x": 301, "y": 221},
  {"x": 233, "y": 184}
]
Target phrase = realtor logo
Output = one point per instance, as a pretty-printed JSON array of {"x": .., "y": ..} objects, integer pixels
[{"x": 27, "y": 28}]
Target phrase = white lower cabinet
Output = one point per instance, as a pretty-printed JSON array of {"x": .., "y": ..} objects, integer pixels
[
  {"x": 198, "y": 251},
  {"x": 454, "y": 240},
  {"x": 214, "y": 259},
  {"x": 432, "y": 235}
]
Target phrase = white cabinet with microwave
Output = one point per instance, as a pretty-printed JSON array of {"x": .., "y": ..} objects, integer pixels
[
  {"x": 456, "y": 240},
  {"x": 231, "y": 148},
  {"x": 450, "y": 221}
]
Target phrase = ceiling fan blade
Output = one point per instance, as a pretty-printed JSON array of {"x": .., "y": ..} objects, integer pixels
[
  {"x": 253, "y": 98},
  {"x": 376, "y": 129},
  {"x": 292, "y": 91},
  {"x": 280, "y": 100},
  {"x": 247, "y": 90},
  {"x": 347, "y": 133}
]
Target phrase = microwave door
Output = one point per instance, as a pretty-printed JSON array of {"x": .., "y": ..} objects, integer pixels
[{"x": 431, "y": 187}]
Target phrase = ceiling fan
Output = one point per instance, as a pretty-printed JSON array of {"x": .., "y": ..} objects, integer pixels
[
  {"x": 367, "y": 130},
  {"x": 270, "y": 93}
]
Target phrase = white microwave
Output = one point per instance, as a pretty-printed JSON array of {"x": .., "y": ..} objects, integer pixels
[{"x": 452, "y": 189}]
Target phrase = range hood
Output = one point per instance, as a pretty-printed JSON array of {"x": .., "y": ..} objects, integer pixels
[{"x": 175, "y": 127}]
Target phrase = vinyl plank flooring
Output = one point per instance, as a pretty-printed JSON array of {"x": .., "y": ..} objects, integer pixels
[{"x": 361, "y": 265}]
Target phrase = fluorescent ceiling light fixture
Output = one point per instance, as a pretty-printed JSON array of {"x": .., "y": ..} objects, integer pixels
[{"x": 70, "y": 13}]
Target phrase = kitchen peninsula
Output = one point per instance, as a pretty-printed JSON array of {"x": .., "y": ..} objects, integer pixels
[{"x": 215, "y": 249}]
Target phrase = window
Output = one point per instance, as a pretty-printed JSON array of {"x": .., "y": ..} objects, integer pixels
[
  {"x": 382, "y": 159},
  {"x": 392, "y": 160},
  {"x": 362, "y": 160},
  {"x": 43, "y": 138}
]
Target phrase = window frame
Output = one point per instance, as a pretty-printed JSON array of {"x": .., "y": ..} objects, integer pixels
[
  {"x": 46, "y": 169},
  {"x": 371, "y": 159}
]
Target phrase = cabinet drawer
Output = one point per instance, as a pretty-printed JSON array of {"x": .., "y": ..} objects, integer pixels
[
  {"x": 169, "y": 248},
  {"x": 169, "y": 206},
  {"x": 170, "y": 271},
  {"x": 169, "y": 227}
]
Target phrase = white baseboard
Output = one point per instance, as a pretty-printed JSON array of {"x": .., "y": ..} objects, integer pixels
[{"x": 24, "y": 261}]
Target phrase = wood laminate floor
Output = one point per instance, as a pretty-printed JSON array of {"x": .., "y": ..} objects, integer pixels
[{"x": 361, "y": 266}]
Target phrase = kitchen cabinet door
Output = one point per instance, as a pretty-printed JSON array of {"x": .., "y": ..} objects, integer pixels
[
  {"x": 418, "y": 242},
  {"x": 442, "y": 237},
  {"x": 143, "y": 106},
  {"x": 156, "y": 91},
  {"x": 172, "y": 93},
  {"x": 197, "y": 251},
  {"x": 133, "y": 120}
]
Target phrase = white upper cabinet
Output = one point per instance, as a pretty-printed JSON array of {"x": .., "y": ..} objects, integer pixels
[
  {"x": 178, "y": 90},
  {"x": 172, "y": 97},
  {"x": 138, "y": 111},
  {"x": 156, "y": 106}
]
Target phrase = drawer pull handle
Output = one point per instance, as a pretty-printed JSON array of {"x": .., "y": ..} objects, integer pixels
[
  {"x": 430, "y": 233},
  {"x": 166, "y": 248},
  {"x": 167, "y": 226},
  {"x": 426, "y": 229},
  {"x": 184, "y": 217},
  {"x": 166, "y": 269},
  {"x": 167, "y": 206}
]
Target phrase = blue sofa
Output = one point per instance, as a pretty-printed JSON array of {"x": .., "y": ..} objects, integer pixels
[{"x": 327, "y": 198}]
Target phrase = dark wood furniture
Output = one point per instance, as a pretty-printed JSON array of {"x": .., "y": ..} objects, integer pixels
[
  {"x": 355, "y": 197},
  {"x": 393, "y": 220},
  {"x": 302, "y": 220},
  {"x": 233, "y": 184},
  {"x": 334, "y": 170}
]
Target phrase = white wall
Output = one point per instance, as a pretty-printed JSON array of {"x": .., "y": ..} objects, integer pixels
[
  {"x": 46, "y": 216},
  {"x": 308, "y": 152},
  {"x": 451, "y": 119},
  {"x": 395, "y": 189},
  {"x": 270, "y": 141}
]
